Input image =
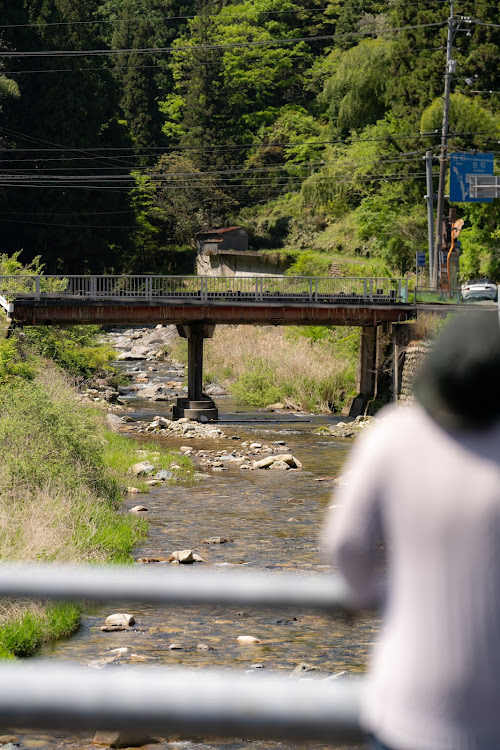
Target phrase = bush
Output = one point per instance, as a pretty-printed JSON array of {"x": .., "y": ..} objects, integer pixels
[{"x": 76, "y": 349}]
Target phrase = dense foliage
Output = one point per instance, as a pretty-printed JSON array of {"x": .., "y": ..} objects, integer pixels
[{"x": 133, "y": 124}]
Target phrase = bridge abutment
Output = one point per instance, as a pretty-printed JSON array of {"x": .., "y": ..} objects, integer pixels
[{"x": 197, "y": 404}]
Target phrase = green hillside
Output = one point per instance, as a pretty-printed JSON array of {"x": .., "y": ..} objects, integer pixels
[{"x": 129, "y": 125}]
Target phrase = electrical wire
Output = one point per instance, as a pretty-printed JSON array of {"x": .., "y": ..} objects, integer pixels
[
  {"x": 239, "y": 16},
  {"x": 192, "y": 47}
]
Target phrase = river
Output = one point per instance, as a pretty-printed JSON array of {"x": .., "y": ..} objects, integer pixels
[{"x": 273, "y": 520}]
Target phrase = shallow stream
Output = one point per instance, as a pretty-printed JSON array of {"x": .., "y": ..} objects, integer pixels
[{"x": 273, "y": 520}]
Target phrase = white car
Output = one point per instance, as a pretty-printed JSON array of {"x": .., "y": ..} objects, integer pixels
[{"x": 477, "y": 289}]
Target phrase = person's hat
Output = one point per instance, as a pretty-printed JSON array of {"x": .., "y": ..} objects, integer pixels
[{"x": 459, "y": 381}]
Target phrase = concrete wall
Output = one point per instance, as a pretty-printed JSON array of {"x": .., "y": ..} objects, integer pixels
[{"x": 238, "y": 264}]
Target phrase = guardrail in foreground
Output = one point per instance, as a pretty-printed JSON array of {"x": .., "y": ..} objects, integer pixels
[{"x": 160, "y": 700}]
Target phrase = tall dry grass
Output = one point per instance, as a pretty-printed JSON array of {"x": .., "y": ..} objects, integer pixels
[
  {"x": 428, "y": 326},
  {"x": 263, "y": 365}
]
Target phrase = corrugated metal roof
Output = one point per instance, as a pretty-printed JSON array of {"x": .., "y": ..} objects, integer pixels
[{"x": 223, "y": 230}]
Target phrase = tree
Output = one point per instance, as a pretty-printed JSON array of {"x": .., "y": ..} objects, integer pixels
[
  {"x": 470, "y": 123},
  {"x": 356, "y": 94},
  {"x": 66, "y": 110},
  {"x": 143, "y": 78}
]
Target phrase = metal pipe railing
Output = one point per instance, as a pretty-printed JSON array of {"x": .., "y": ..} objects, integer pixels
[
  {"x": 182, "y": 585},
  {"x": 206, "y": 703},
  {"x": 205, "y": 288},
  {"x": 165, "y": 701}
]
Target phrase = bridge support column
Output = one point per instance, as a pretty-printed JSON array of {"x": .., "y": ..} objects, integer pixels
[
  {"x": 197, "y": 404},
  {"x": 366, "y": 374}
]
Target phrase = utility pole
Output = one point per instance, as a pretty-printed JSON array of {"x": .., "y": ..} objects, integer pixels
[
  {"x": 450, "y": 69},
  {"x": 430, "y": 214}
]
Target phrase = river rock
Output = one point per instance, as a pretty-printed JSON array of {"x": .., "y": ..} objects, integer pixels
[
  {"x": 216, "y": 540},
  {"x": 293, "y": 462},
  {"x": 345, "y": 429},
  {"x": 120, "y": 619},
  {"x": 124, "y": 738},
  {"x": 304, "y": 669},
  {"x": 163, "y": 475},
  {"x": 114, "y": 422},
  {"x": 156, "y": 392},
  {"x": 247, "y": 639},
  {"x": 185, "y": 556},
  {"x": 142, "y": 469},
  {"x": 283, "y": 461},
  {"x": 104, "y": 661},
  {"x": 138, "y": 509},
  {"x": 215, "y": 390},
  {"x": 133, "y": 491},
  {"x": 279, "y": 466},
  {"x": 264, "y": 463},
  {"x": 275, "y": 407}
]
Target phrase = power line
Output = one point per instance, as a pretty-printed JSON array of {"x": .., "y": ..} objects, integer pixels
[
  {"x": 219, "y": 17},
  {"x": 156, "y": 65},
  {"x": 191, "y": 47},
  {"x": 160, "y": 150}
]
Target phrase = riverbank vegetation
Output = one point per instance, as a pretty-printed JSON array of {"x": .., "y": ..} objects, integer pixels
[
  {"x": 309, "y": 368},
  {"x": 62, "y": 478}
]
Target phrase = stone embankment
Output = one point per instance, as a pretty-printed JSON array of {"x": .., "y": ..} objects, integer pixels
[{"x": 415, "y": 354}]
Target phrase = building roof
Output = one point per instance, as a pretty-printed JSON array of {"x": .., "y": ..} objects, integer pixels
[{"x": 222, "y": 230}]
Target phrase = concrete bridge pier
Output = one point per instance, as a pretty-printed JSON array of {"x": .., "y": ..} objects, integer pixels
[
  {"x": 370, "y": 366},
  {"x": 197, "y": 404}
]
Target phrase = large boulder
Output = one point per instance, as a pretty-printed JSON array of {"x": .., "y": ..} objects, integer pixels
[
  {"x": 185, "y": 556},
  {"x": 142, "y": 469}
]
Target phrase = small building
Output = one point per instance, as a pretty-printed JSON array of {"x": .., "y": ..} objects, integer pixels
[
  {"x": 224, "y": 252},
  {"x": 211, "y": 241}
]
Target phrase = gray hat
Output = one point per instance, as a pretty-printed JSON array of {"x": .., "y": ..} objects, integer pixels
[{"x": 459, "y": 382}]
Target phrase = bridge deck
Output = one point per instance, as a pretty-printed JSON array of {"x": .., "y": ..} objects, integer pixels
[
  {"x": 127, "y": 300},
  {"x": 137, "y": 312}
]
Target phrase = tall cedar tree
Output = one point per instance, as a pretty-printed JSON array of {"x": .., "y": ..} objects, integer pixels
[
  {"x": 66, "y": 109},
  {"x": 144, "y": 78}
]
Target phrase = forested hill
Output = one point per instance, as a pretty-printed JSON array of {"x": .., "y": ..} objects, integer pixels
[{"x": 129, "y": 125}]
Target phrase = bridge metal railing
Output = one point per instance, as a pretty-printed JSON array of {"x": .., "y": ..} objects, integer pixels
[
  {"x": 316, "y": 290},
  {"x": 225, "y": 703}
]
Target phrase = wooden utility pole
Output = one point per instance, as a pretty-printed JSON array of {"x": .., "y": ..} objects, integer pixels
[{"x": 450, "y": 69}]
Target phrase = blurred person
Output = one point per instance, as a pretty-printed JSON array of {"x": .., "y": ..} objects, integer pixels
[{"x": 417, "y": 530}]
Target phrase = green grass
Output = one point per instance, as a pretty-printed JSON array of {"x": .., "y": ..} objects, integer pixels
[
  {"x": 22, "y": 636},
  {"x": 62, "y": 480},
  {"x": 121, "y": 452}
]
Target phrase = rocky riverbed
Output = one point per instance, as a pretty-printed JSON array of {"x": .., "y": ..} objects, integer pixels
[{"x": 259, "y": 517}]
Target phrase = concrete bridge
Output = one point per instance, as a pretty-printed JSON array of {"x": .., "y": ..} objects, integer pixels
[{"x": 196, "y": 304}]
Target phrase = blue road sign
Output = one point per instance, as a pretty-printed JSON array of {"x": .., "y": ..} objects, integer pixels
[
  {"x": 462, "y": 165},
  {"x": 420, "y": 260}
]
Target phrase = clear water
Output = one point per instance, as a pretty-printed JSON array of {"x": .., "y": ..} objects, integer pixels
[{"x": 273, "y": 520}]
